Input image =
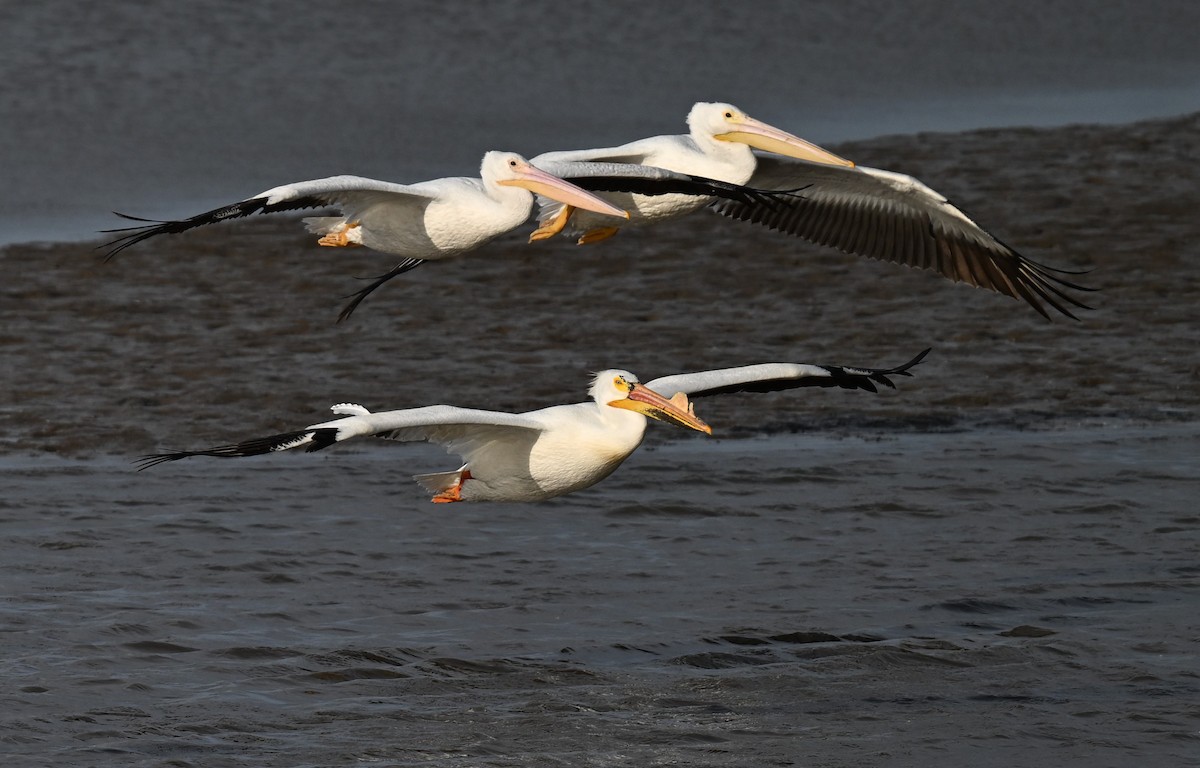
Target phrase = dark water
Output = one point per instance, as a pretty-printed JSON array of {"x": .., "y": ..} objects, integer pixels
[
  {"x": 995, "y": 564},
  {"x": 991, "y": 598}
]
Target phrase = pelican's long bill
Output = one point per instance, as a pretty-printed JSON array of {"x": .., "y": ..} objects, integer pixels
[
  {"x": 647, "y": 402},
  {"x": 541, "y": 183},
  {"x": 768, "y": 138}
]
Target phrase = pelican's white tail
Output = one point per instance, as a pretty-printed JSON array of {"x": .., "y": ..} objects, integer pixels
[
  {"x": 323, "y": 225},
  {"x": 335, "y": 225},
  {"x": 439, "y": 482}
]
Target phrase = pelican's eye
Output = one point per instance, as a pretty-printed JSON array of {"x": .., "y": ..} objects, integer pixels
[
  {"x": 620, "y": 383},
  {"x": 728, "y": 115}
]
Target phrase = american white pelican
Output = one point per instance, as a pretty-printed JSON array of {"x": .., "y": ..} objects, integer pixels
[
  {"x": 864, "y": 211},
  {"x": 429, "y": 220},
  {"x": 553, "y": 451},
  {"x": 717, "y": 147}
]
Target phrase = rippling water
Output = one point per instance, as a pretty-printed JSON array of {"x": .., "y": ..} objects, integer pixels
[{"x": 988, "y": 598}]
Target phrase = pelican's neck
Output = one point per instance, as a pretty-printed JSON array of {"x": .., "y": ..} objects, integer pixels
[
  {"x": 735, "y": 159},
  {"x": 491, "y": 171},
  {"x": 510, "y": 206},
  {"x": 509, "y": 197},
  {"x": 628, "y": 427}
]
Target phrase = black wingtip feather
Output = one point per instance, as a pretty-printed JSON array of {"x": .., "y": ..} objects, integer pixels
[
  {"x": 154, "y": 227},
  {"x": 311, "y": 439},
  {"x": 845, "y": 377},
  {"x": 866, "y": 378},
  {"x": 993, "y": 266}
]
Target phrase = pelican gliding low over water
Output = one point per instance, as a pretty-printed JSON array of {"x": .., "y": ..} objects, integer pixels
[
  {"x": 864, "y": 211},
  {"x": 553, "y": 451},
  {"x": 428, "y": 220}
]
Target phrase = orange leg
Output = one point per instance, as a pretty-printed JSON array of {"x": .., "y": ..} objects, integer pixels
[
  {"x": 555, "y": 225},
  {"x": 342, "y": 238},
  {"x": 597, "y": 234},
  {"x": 453, "y": 493}
]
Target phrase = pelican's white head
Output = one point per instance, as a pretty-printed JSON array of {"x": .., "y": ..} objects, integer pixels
[
  {"x": 508, "y": 169},
  {"x": 621, "y": 389},
  {"x": 725, "y": 122}
]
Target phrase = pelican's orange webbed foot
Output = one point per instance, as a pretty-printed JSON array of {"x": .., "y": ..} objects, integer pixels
[
  {"x": 597, "y": 234},
  {"x": 349, "y": 234},
  {"x": 555, "y": 225},
  {"x": 454, "y": 493}
]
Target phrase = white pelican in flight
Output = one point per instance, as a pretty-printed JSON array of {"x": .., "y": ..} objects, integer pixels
[
  {"x": 717, "y": 147},
  {"x": 443, "y": 218},
  {"x": 553, "y": 451},
  {"x": 429, "y": 220},
  {"x": 859, "y": 210}
]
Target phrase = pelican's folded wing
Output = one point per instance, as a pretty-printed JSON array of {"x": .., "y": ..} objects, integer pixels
[
  {"x": 351, "y": 194},
  {"x": 772, "y": 377},
  {"x": 489, "y": 438},
  {"x": 893, "y": 217},
  {"x": 460, "y": 430}
]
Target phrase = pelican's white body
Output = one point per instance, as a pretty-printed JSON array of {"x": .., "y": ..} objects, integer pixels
[
  {"x": 432, "y": 220},
  {"x": 578, "y": 446},
  {"x": 514, "y": 457},
  {"x": 429, "y": 220}
]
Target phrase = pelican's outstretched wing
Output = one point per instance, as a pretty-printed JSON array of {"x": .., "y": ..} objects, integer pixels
[
  {"x": 894, "y": 217},
  {"x": 772, "y": 377},
  {"x": 634, "y": 153},
  {"x": 353, "y": 195},
  {"x": 464, "y": 431}
]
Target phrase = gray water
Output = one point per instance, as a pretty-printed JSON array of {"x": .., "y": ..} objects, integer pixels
[{"x": 996, "y": 598}]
